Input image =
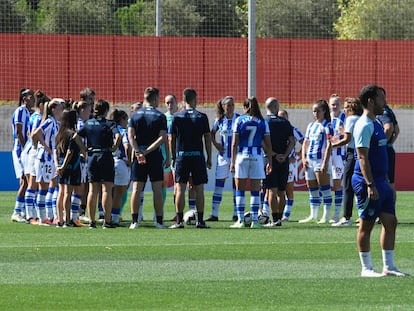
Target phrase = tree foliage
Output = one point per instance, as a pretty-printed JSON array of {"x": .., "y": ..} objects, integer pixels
[
  {"x": 11, "y": 19},
  {"x": 344, "y": 19},
  {"x": 376, "y": 19},
  {"x": 296, "y": 18}
]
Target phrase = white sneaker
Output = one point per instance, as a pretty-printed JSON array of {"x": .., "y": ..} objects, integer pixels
[
  {"x": 322, "y": 221},
  {"x": 16, "y": 217},
  {"x": 285, "y": 219},
  {"x": 160, "y": 226},
  {"x": 237, "y": 225},
  {"x": 393, "y": 272},
  {"x": 134, "y": 225},
  {"x": 334, "y": 220},
  {"x": 306, "y": 220},
  {"x": 371, "y": 273},
  {"x": 343, "y": 222}
]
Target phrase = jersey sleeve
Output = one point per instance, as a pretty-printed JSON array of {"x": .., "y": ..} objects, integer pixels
[{"x": 362, "y": 134}]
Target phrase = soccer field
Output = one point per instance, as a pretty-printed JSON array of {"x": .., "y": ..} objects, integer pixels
[{"x": 294, "y": 267}]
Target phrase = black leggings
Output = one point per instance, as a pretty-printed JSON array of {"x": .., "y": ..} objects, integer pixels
[{"x": 347, "y": 183}]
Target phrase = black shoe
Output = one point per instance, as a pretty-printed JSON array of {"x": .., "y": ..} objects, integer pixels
[
  {"x": 108, "y": 226},
  {"x": 92, "y": 225},
  {"x": 235, "y": 218},
  {"x": 202, "y": 225},
  {"x": 212, "y": 218}
]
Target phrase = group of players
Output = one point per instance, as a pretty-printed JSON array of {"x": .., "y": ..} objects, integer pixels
[
  {"x": 60, "y": 147},
  {"x": 58, "y": 170}
]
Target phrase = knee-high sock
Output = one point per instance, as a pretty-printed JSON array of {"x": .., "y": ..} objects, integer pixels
[
  {"x": 19, "y": 205},
  {"x": 254, "y": 205},
  {"x": 240, "y": 204},
  {"x": 217, "y": 197},
  {"x": 49, "y": 202},
  {"x": 54, "y": 202},
  {"x": 327, "y": 200},
  {"x": 29, "y": 200},
  {"x": 314, "y": 202},
  {"x": 338, "y": 203},
  {"x": 288, "y": 208},
  {"x": 41, "y": 205},
  {"x": 75, "y": 204}
]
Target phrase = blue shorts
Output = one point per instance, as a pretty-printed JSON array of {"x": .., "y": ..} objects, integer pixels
[
  {"x": 371, "y": 209},
  {"x": 196, "y": 166},
  {"x": 153, "y": 168},
  {"x": 279, "y": 175},
  {"x": 101, "y": 167}
]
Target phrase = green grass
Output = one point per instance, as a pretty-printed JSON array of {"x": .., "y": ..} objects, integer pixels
[{"x": 295, "y": 267}]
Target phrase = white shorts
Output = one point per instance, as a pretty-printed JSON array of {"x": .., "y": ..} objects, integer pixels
[
  {"x": 25, "y": 157},
  {"x": 84, "y": 172},
  {"x": 315, "y": 166},
  {"x": 45, "y": 170},
  {"x": 222, "y": 168},
  {"x": 18, "y": 165},
  {"x": 293, "y": 169},
  {"x": 31, "y": 159},
  {"x": 337, "y": 166},
  {"x": 122, "y": 173},
  {"x": 249, "y": 166}
]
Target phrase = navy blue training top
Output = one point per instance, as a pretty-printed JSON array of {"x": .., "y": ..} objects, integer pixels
[
  {"x": 189, "y": 127},
  {"x": 280, "y": 131},
  {"x": 147, "y": 122},
  {"x": 99, "y": 132}
]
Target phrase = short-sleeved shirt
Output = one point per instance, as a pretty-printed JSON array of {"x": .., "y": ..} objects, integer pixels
[
  {"x": 369, "y": 134},
  {"x": 280, "y": 131},
  {"x": 99, "y": 132},
  {"x": 224, "y": 127},
  {"x": 299, "y": 138},
  {"x": 251, "y": 131},
  {"x": 49, "y": 129},
  {"x": 20, "y": 116},
  {"x": 189, "y": 127},
  {"x": 338, "y": 126},
  {"x": 147, "y": 122},
  {"x": 349, "y": 128},
  {"x": 318, "y": 134},
  {"x": 120, "y": 153}
]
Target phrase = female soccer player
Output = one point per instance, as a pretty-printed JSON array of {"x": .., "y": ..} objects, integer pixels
[
  {"x": 20, "y": 124},
  {"x": 225, "y": 118},
  {"x": 249, "y": 132},
  {"x": 122, "y": 164},
  {"x": 100, "y": 134},
  {"x": 45, "y": 167},
  {"x": 316, "y": 152},
  {"x": 67, "y": 161}
]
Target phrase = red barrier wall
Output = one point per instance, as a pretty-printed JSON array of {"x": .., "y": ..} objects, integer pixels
[{"x": 119, "y": 68}]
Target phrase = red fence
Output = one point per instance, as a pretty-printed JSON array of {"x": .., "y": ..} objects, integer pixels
[{"x": 119, "y": 68}]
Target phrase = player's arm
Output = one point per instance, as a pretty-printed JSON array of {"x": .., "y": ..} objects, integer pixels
[
  {"x": 207, "y": 146},
  {"x": 19, "y": 134},
  {"x": 327, "y": 155},
  {"x": 362, "y": 154},
  {"x": 343, "y": 141},
  {"x": 395, "y": 134},
  {"x": 305, "y": 147},
  {"x": 117, "y": 142},
  {"x": 133, "y": 141},
  {"x": 290, "y": 146},
  {"x": 389, "y": 130},
  {"x": 267, "y": 146},
  {"x": 234, "y": 144},
  {"x": 172, "y": 142},
  {"x": 217, "y": 145}
]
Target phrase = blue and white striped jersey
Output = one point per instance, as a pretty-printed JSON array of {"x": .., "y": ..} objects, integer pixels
[
  {"x": 49, "y": 129},
  {"x": 20, "y": 116},
  {"x": 225, "y": 128},
  {"x": 251, "y": 131},
  {"x": 338, "y": 128},
  {"x": 299, "y": 138},
  {"x": 318, "y": 134},
  {"x": 120, "y": 153}
]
